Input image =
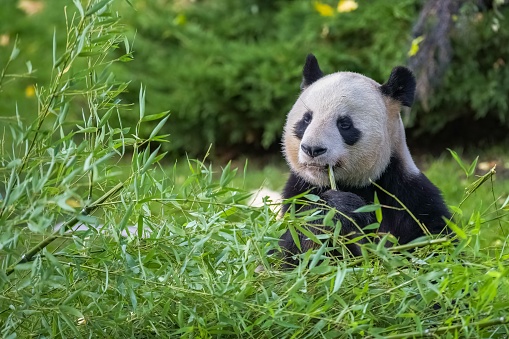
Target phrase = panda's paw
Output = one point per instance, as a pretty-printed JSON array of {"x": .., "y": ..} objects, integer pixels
[{"x": 342, "y": 201}]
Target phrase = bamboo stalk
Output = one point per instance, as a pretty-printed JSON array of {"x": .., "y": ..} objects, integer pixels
[{"x": 331, "y": 178}]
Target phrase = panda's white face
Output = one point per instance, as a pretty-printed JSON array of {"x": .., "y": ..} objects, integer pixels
[{"x": 342, "y": 120}]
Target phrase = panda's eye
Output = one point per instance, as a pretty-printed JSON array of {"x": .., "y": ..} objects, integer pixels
[
  {"x": 344, "y": 123},
  {"x": 307, "y": 118}
]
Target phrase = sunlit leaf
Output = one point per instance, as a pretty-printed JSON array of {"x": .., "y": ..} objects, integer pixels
[
  {"x": 323, "y": 9},
  {"x": 345, "y": 6},
  {"x": 414, "y": 48}
]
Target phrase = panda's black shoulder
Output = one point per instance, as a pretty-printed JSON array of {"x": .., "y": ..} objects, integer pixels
[{"x": 419, "y": 195}]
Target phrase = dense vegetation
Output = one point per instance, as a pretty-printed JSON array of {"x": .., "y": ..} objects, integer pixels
[
  {"x": 229, "y": 70},
  {"x": 101, "y": 238}
]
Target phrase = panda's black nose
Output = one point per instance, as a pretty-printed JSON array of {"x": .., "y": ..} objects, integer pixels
[{"x": 313, "y": 151}]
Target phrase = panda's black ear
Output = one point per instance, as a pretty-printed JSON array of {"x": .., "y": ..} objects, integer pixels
[
  {"x": 400, "y": 86},
  {"x": 311, "y": 71}
]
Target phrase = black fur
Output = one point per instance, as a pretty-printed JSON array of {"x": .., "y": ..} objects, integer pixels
[
  {"x": 311, "y": 71},
  {"x": 348, "y": 132},
  {"x": 302, "y": 124},
  {"x": 416, "y": 192},
  {"x": 400, "y": 86}
]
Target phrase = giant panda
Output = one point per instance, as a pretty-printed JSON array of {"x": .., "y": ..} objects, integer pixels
[{"x": 353, "y": 123}]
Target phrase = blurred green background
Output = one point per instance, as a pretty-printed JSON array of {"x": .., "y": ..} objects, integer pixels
[{"x": 229, "y": 70}]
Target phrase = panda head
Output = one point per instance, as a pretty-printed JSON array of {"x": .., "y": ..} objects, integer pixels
[{"x": 348, "y": 121}]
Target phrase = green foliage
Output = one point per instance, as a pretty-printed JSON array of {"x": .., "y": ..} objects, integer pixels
[
  {"x": 476, "y": 82},
  {"x": 90, "y": 248},
  {"x": 230, "y": 70}
]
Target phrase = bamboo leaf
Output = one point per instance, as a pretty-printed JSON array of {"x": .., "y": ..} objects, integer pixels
[
  {"x": 68, "y": 310},
  {"x": 295, "y": 236},
  {"x": 368, "y": 208},
  {"x": 98, "y": 6},
  {"x": 378, "y": 211},
  {"x": 340, "y": 277},
  {"x": 158, "y": 127},
  {"x": 456, "y": 229},
  {"x": 157, "y": 116},
  {"x": 458, "y": 160},
  {"x": 473, "y": 166}
]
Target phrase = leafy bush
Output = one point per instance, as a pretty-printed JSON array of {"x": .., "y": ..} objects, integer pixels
[
  {"x": 230, "y": 70},
  {"x": 96, "y": 244}
]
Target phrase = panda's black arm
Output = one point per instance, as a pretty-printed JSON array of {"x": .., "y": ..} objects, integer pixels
[
  {"x": 295, "y": 186},
  {"x": 344, "y": 202},
  {"x": 423, "y": 199}
]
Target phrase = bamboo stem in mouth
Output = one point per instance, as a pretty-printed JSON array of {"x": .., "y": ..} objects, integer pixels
[{"x": 331, "y": 178}]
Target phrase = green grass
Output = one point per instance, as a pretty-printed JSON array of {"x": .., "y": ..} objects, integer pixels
[{"x": 190, "y": 267}]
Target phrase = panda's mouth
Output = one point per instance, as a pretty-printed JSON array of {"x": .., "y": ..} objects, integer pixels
[{"x": 318, "y": 167}]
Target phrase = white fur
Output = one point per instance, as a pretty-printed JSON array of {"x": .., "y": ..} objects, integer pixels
[{"x": 377, "y": 118}]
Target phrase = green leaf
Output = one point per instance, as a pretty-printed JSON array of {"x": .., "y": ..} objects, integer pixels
[
  {"x": 151, "y": 160},
  {"x": 157, "y": 116},
  {"x": 106, "y": 117},
  {"x": 338, "y": 280},
  {"x": 125, "y": 218},
  {"x": 328, "y": 220},
  {"x": 479, "y": 182},
  {"x": 368, "y": 208},
  {"x": 141, "y": 102},
  {"x": 378, "y": 212},
  {"x": 87, "y": 54},
  {"x": 15, "y": 51},
  {"x": 227, "y": 175},
  {"x": 312, "y": 197},
  {"x": 494, "y": 274},
  {"x": 506, "y": 202},
  {"x": 140, "y": 226},
  {"x": 68, "y": 310},
  {"x": 98, "y": 6},
  {"x": 310, "y": 235},
  {"x": 78, "y": 5},
  {"x": 473, "y": 165},
  {"x": 372, "y": 226},
  {"x": 61, "y": 59},
  {"x": 295, "y": 236},
  {"x": 158, "y": 127},
  {"x": 455, "y": 228},
  {"x": 456, "y": 210},
  {"x": 458, "y": 160},
  {"x": 317, "y": 255},
  {"x": 91, "y": 129}
]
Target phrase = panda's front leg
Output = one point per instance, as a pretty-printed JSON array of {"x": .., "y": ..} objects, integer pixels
[
  {"x": 352, "y": 222},
  {"x": 345, "y": 203}
]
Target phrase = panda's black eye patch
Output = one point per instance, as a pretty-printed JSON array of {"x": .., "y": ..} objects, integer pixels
[
  {"x": 344, "y": 122},
  {"x": 307, "y": 117},
  {"x": 302, "y": 124},
  {"x": 348, "y": 131}
]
